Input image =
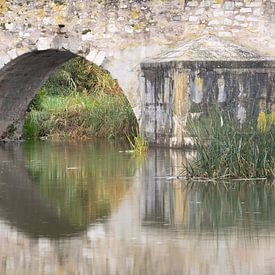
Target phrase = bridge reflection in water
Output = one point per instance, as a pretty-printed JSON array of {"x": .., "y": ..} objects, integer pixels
[
  {"x": 53, "y": 190},
  {"x": 88, "y": 209}
]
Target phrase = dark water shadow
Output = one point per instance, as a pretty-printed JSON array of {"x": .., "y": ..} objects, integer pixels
[
  {"x": 20, "y": 203},
  {"x": 57, "y": 190}
]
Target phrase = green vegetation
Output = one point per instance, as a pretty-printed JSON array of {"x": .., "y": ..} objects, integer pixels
[
  {"x": 80, "y": 117},
  {"x": 138, "y": 143},
  {"x": 226, "y": 149},
  {"x": 79, "y": 101},
  {"x": 3, "y": 6},
  {"x": 81, "y": 76}
]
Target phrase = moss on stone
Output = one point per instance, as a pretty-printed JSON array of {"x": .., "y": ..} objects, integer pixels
[
  {"x": 3, "y": 6},
  {"x": 139, "y": 26},
  {"x": 134, "y": 14}
]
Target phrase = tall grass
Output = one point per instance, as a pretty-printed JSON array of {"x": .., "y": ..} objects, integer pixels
[
  {"x": 80, "y": 117},
  {"x": 138, "y": 143},
  {"x": 79, "y": 101},
  {"x": 226, "y": 149}
]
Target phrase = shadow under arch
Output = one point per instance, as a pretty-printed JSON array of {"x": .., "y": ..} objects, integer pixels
[{"x": 20, "y": 79}]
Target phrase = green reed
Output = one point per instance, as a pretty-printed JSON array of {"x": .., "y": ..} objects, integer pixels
[
  {"x": 226, "y": 149},
  {"x": 139, "y": 145}
]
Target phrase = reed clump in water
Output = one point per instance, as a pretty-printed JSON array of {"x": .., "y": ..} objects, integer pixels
[
  {"x": 226, "y": 149},
  {"x": 139, "y": 145}
]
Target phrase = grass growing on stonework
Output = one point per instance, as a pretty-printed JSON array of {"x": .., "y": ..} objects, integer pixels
[
  {"x": 79, "y": 101},
  {"x": 226, "y": 149}
]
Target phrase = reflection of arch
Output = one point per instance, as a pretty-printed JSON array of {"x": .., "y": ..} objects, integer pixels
[
  {"x": 19, "y": 81},
  {"x": 82, "y": 196},
  {"x": 35, "y": 198},
  {"x": 22, "y": 205}
]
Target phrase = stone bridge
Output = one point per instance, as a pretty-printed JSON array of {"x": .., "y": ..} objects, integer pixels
[{"x": 38, "y": 36}]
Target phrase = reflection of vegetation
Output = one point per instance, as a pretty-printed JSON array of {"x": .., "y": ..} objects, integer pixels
[
  {"x": 82, "y": 182},
  {"x": 226, "y": 149}
]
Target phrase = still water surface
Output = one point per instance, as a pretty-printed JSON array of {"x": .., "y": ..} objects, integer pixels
[{"x": 88, "y": 208}]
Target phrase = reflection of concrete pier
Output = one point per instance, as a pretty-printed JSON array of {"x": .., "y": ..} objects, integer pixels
[
  {"x": 167, "y": 227},
  {"x": 191, "y": 207},
  {"x": 20, "y": 203}
]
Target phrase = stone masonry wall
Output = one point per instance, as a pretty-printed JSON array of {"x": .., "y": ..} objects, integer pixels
[
  {"x": 121, "y": 22},
  {"x": 120, "y": 34}
]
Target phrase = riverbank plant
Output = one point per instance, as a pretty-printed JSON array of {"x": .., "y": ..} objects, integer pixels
[
  {"x": 138, "y": 143},
  {"x": 226, "y": 149},
  {"x": 80, "y": 117},
  {"x": 79, "y": 101}
]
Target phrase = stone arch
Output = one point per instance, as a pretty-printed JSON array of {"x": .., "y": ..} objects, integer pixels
[{"x": 21, "y": 78}]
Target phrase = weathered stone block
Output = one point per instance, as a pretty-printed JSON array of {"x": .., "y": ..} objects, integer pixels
[
  {"x": 254, "y": 4},
  {"x": 218, "y": 13},
  {"x": 227, "y": 22},
  {"x": 193, "y": 18},
  {"x": 252, "y": 19},
  {"x": 224, "y": 34},
  {"x": 44, "y": 43},
  {"x": 240, "y": 18},
  {"x": 229, "y": 5},
  {"x": 245, "y": 10},
  {"x": 200, "y": 11},
  {"x": 199, "y": 74},
  {"x": 192, "y": 3},
  {"x": 214, "y": 22},
  {"x": 257, "y": 12},
  {"x": 4, "y": 59},
  {"x": 238, "y": 4}
]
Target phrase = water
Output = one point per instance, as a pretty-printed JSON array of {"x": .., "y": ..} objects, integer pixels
[{"x": 87, "y": 208}]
